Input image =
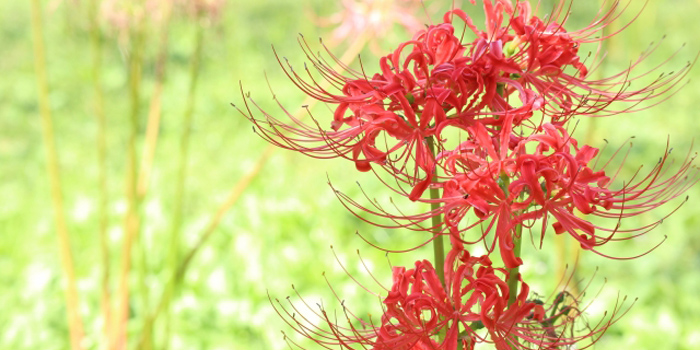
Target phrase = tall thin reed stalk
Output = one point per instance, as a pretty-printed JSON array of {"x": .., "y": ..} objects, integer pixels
[
  {"x": 101, "y": 137},
  {"x": 180, "y": 183},
  {"x": 132, "y": 219},
  {"x": 75, "y": 323},
  {"x": 151, "y": 141},
  {"x": 154, "y": 109}
]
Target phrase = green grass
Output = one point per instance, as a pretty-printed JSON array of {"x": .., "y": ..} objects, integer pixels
[{"x": 279, "y": 232}]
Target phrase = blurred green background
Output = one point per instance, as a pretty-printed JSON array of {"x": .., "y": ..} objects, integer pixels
[{"x": 278, "y": 232}]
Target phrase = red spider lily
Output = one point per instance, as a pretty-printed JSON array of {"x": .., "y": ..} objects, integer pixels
[
  {"x": 541, "y": 57},
  {"x": 505, "y": 185},
  {"x": 471, "y": 308},
  {"x": 436, "y": 81},
  {"x": 395, "y": 105},
  {"x": 418, "y": 307}
]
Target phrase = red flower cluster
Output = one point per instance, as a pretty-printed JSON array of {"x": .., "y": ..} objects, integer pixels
[
  {"x": 545, "y": 177},
  {"x": 485, "y": 123},
  {"x": 419, "y": 307},
  {"x": 473, "y": 306}
]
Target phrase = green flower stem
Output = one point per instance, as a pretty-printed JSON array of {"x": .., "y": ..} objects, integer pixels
[
  {"x": 438, "y": 243},
  {"x": 514, "y": 273}
]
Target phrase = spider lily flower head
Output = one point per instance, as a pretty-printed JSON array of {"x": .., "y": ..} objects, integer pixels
[
  {"x": 541, "y": 56},
  {"x": 472, "y": 307},
  {"x": 418, "y": 307},
  {"x": 382, "y": 120},
  {"x": 475, "y": 295},
  {"x": 546, "y": 177},
  {"x": 557, "y": 184}
]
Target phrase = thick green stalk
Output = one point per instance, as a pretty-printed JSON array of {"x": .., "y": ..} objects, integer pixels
[
  {"x": 514, "y": 273},
  {"x": 438, "y": 242},
  {"x": 75, "y": 323}
]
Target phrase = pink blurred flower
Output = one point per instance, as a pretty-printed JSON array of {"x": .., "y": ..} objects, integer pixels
[{"x": 372, "y": 18}]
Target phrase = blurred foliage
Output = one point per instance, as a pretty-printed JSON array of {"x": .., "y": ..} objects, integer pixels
[{"x": 279, "y": 232}]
